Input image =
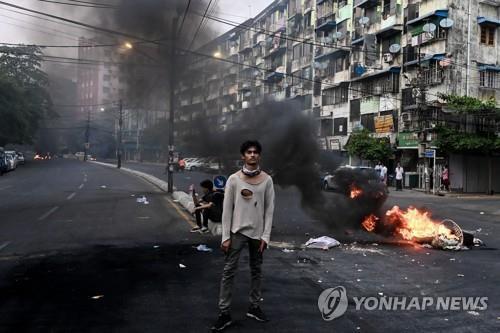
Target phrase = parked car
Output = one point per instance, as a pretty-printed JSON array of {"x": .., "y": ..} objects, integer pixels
[
  {"x": 3, "y": 162},
  {"x": 11, "y": 162},
  {"x": 194, "y": 164},
  {"x": 20, "y": 158}
]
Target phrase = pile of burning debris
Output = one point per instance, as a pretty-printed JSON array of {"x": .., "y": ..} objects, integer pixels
[{"x": 417, "y": 226}]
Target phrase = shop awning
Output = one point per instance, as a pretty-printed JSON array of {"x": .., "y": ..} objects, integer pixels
[
  {"x": 435, "y": 13},
  {"x": 488, "y": 20}
]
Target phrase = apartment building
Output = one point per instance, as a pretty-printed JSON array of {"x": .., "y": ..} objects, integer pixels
[{"x": 373, "y": 64}]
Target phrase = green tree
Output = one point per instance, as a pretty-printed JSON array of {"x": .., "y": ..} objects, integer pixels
[
  {"x": 366, "y": 147},
  {"x": 24, "y": 99}
]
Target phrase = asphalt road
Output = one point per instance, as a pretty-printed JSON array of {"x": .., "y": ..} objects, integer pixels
[{"x": 79, "y": 254}]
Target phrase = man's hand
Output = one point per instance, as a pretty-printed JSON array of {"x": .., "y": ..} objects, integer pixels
[
  {"x": 225, "y": 245},
  {"x": 263, "y": 246}
]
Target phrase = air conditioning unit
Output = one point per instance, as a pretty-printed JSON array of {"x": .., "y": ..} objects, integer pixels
[
  {"x": 388, "y": 57},
  {"x": 406, "y": 117}
]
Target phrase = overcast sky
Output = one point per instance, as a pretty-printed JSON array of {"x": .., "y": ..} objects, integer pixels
[{"x": 17, "y": 28}]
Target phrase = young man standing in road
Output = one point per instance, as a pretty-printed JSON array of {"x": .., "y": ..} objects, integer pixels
[{"x": 246, "y": 219}]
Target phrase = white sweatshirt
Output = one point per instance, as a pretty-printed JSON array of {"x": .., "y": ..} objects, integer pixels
[{"x": 252, "y": 215}]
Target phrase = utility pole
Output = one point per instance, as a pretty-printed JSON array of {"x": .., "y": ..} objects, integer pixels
[
  {"x": 421, "y": 107},
  {"x": 87, "y": 136},
  {"x": 171, "y": 148},
  {"x": 467, "y": 74},
  {"x": 120, "y": 124}
]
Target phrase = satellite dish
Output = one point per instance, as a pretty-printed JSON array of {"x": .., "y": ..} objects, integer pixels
[
  {"x": 328, "y": 40},
  {"x": 395, "y": 48},
  {"x": 317, "y": 65},
  {"x": 324, "y": 65},
  {"x": 339, "y": 35},
  {"x": 446, "y": 23},
  {"x": 429, "y": 27},
  {"x": 364, "y": 20}
]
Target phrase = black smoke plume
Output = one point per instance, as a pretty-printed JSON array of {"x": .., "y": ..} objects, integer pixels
[{"x": 291, "y": 154}]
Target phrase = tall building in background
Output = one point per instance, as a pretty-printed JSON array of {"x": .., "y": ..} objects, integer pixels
[{"x": 378, "y": 65}]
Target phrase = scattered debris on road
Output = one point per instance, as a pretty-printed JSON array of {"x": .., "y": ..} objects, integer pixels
[
  {"x": 97, "y": 297},
  {"x": 323, "y": 243},
  {"x": 103, "y": 186},
  {"x": 287, "y": 250},
  {"x": 460, "y": 275},
  {"x": 142, "y": 200},
  {"x": 203, "y": 248},
  {"x": 182, "y": 266}
]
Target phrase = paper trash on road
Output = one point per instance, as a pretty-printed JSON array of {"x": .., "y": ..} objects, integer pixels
[
  {"x": 287, "y": 250},
  {"x": 203, "y": 248},
  {"x": 323, "y": 243},
  {"x": 182, "y": 266},
  {"x": 142, "y": 200},
  {"x": 97, "y": 296},
  {"x": 103, "y": 186}
]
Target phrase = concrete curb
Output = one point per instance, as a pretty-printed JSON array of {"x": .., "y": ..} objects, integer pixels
[{"x": 181, "y": 197}]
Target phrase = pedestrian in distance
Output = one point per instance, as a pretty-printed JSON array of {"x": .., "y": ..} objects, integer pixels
[
  {"x": 383, "y": 174},
  {"x": 209, "y": 208},
  {"x": 246, "y": 220},
  {"x": 446, "y": 178},
  {"x": 399, "y": 177},
  {"x": 378, "y": 167}
]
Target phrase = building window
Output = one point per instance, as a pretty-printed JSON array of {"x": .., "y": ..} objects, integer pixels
[
  {"x": 488, "y": 35},
  {"x": 335, "y": 96},
  {"x": 489, "y": 79}
]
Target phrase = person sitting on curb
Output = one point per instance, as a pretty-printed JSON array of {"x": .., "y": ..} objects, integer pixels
[{"x": 210, "y": 207}]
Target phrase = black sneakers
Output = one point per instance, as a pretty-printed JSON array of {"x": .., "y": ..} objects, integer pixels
[
  {"x": 257, "y": 314},
  {"x": 222, "y": 322}
]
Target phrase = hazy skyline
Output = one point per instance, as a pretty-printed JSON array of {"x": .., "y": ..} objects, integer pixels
[{"x": 19, "y": 28}]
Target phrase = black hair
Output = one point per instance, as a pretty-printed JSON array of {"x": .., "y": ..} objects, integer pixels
[
  {"x": 207, "y": 183},
  {"x": 250, "y": 143}
]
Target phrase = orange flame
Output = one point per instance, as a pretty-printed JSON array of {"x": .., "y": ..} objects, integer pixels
[
  {"x": 355, "y": 192},
  {"x": 370, "y": 222},
  {"x": 413, "y": 224}
]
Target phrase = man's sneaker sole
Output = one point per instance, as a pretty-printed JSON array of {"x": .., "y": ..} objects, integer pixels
[
  {"x": 249, "y": 315},
  {"x": 214, "y": 329}
]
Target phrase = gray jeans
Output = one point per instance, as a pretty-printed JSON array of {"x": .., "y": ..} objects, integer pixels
[{"x": 238, "y": 242}]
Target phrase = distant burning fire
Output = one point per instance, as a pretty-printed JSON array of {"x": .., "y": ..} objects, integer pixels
[
  {"x": 414, "y": 225},
  {"x": 355, "y": 192}
]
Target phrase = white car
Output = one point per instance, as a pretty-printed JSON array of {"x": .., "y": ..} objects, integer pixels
[{"x": 193, "y": 164}]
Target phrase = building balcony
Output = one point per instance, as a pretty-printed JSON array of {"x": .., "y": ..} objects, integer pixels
[
  {"x": 326, "y": 23},
  {"x": 365, "y": 3}
]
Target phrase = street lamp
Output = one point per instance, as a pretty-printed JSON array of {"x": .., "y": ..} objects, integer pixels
[
  {"x": 128, "y": 45},
  {"x": 217, "y": 54}
]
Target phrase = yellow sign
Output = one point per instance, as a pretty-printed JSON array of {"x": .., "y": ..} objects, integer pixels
[{"x": 384, "y": 124}]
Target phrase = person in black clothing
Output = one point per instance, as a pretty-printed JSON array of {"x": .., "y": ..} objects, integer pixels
[{"x": 210, "y": 207}]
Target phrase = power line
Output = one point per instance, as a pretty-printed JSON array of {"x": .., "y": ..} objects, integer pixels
[
  {"x": 78, "y": 4},
  {"x": 184, "y": 18},
  {"x": 101, "y": 29},
  {"x": 199, "y": 26}
]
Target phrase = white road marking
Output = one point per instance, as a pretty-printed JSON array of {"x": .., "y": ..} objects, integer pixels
[
  {"x": 50, "y": 212},
  {"x": 71, "y": 196},
  {"x": 5, "y": 187},
  {"x": 81, "y": 186},
  {"x": 4, "y": 245}
]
